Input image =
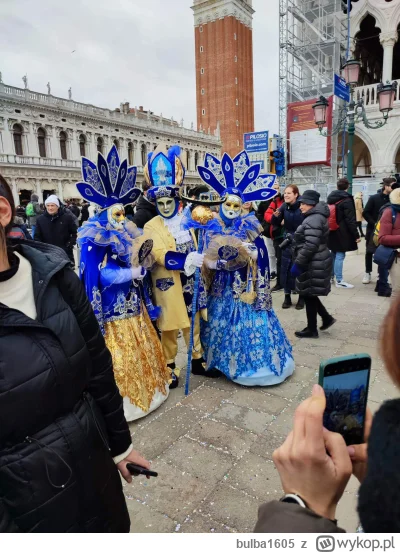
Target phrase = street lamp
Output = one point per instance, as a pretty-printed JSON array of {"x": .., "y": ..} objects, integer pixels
[{"x": 355, "y": 111}]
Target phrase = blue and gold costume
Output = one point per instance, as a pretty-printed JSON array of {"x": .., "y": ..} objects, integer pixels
[
  {"x": 119, "y": 292},
  {"x": 243, "y": 337}
]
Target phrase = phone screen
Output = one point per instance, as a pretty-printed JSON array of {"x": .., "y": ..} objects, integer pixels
[{"x": 346, "y": 391}]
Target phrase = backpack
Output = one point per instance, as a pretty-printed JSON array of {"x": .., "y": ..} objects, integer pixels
[
  {"x": 332, "y": 220},
  {"x": 375, "y": 236},
  {"x": 30, "y": 210},
  {"x": 16, "y": 232}
]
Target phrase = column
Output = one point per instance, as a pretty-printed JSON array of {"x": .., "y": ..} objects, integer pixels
[
  {"x": 60, "y": 191},
  {"x": 74, "y": 146},
  {"x": 388, "y": 41},
  {"x": 138, "y": 155},
  {"x": 39, "y": 191},
  {"x": 15, "y": 190}
]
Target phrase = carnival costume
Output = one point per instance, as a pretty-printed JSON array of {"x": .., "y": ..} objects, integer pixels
[
  {"x": 112, "y": 272},
  {"x": 243, "y": 337},
  {"x": 175, "y": 252}
]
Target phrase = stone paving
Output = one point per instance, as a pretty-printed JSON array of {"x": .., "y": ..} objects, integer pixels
[{"x": 213, "y": 449}]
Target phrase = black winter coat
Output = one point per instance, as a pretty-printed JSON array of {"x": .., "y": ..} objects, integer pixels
[
  {"x": 292, "y": 217},
  {"x": 145, "y": 212},
  {"x": 59, "y": 230},
  {"x": 311, "y": 253},
  {"x": 343, "y": 239},
  {"x": 371, "y": 210},
  {"x": 60, "y": 410}
]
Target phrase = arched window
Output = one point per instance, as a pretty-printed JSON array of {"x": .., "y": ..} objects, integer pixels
[
  {"x": 100, "y": 144},
  {"x": 196, "y": 160},
  {"x": 82, "y": 145},
  {"x": 143, "y": 154},
  {"x": 17, "y": 133},
  {"x": 63, "y": 145},
  {"x": 41, "y": 136},
  {"x": 116, "y": 144},
  {"x": 130, "y": 153},
  {"x": 188, "y": 160}
]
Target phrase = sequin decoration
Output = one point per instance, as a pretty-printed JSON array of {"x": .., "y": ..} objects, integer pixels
[{"x": 139, "y": 364}]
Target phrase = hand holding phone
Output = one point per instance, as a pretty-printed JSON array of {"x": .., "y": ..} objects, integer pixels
[
  {"x": 137, "y": 470},
  {"x": 345, "y": 381}
]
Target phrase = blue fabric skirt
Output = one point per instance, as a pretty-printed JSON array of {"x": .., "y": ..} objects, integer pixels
[{"x": 250, "y": 347}]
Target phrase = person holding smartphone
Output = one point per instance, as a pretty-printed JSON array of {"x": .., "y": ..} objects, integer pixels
[
  {"x": 315, "y": 465},
  {"x": 312, "y": 265}
]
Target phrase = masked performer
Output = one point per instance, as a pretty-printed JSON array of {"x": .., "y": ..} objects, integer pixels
[
  {"x": 116, "y": 287},
  {"x": 243, "y": 337},
  {"x": 175, "y": 252}
]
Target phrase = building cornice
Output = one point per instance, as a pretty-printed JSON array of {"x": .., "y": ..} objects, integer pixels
[
  {"x": 55, "y": 109},
  {"x": 212, "y": 10}
]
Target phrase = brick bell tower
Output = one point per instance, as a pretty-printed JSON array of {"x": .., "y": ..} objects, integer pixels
[{"x": 224, "y": 69}]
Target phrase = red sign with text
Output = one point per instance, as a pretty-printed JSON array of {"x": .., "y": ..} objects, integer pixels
[{"x": 306, "y": 145}]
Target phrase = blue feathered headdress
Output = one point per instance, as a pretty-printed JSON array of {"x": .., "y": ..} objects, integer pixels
[
  {"x": 165, "y": 173},
  {"x": 237, "y": 176},
  {"x": 110, "y": 182}
]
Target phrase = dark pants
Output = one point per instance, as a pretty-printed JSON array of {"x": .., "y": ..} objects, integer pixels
[
  {"x": 383, "y": 280},
  {"x": 278, "y": 255},
  {"x": 314, "y": 307},
  {"x": 368, "y": 254},
  {"x": 359, "y": 225}
]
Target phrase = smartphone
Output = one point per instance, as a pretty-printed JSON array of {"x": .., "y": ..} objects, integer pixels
[
  {"x": 346, "y": 381},
  {"x": 137, "y": 469}
]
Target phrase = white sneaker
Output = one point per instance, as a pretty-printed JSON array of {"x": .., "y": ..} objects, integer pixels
[
  {"x": 367, "y": 278},
  {"x": 343, "y": 284}
]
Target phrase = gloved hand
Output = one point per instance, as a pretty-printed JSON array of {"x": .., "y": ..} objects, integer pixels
[
  {"x": 193, "y": 261},
  {"x": 251, "y": 250},
  {"x": 296, "y": 270},
  {"x": 218, "y": 265},
  {"x": 197, "y": 259},
  {"x": 138, "y": 273}
]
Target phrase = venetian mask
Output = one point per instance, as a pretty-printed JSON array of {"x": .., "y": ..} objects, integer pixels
[
  {"x": 116, "y": 216},
  {"x": 167, "y": 207},
  {"x": 232, "y": 206}
]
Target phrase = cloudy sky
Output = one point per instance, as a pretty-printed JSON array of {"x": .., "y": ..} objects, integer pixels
[{"x": 141, "y": 51}]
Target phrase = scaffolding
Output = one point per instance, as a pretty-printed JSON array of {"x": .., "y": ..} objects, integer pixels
[{"x": 313, "y": 37}]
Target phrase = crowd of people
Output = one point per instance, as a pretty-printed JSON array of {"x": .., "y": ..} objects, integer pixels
[{"x": 85, "y": 358}]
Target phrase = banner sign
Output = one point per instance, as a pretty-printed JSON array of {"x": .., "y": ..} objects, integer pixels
[
  {"x": 307, "y": 145},
  {"x": 341, "y": 90},
  {"x": 256, "y": 141}
]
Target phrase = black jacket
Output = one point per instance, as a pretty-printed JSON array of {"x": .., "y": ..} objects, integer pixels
[
  {"x": 371, "y": 210},
  {"x": 343, "y": 239},
  {"x": 311, "y": 252},
  {"x": 59, "y": 230},
  {"x": 84, "y": 213},
  {"x": 60, "y": 410},
  {"x": 145, "y": 211}
]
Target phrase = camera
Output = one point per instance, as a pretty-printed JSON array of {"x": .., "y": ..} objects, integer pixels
[{"x": 287, "y": 242}]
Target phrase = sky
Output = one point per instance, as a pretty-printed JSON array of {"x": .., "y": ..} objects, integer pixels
[{"x": 141, "y": 51}]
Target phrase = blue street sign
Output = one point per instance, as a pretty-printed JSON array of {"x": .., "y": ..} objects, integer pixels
[
  {"x": 341, "y": 89},
  {"x": 256, "y": 141}
]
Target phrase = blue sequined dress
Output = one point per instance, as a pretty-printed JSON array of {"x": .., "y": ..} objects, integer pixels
[{"x": 246, "y": 341}]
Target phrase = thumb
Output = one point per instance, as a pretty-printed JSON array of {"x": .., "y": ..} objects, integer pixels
[{"x": 337, "y": 449}]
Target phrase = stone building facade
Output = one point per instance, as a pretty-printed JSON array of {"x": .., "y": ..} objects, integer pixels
[
  {"x": 42, "y": 139},
  {"x": 224, "y": 69},
  {"x": 375, "y": 28}
]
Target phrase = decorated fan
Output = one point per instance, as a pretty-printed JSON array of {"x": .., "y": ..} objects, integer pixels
[
  {"x": 228, "y": 249},
  {"x": 141, "y": 253}
]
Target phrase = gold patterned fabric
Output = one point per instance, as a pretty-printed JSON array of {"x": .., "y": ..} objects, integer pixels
[{"x": 139, "y": 363}]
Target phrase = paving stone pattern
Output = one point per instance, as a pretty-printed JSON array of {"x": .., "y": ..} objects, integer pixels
[{"x": 213, "y": 449}]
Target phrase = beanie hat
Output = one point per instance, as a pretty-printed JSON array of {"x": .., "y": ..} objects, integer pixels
[
  {"x": 34, "y": 198},
  {"x": 52, "y": 200},
  {"x": 395, "y": 196},
  {"x": 309, "y": 197}
]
